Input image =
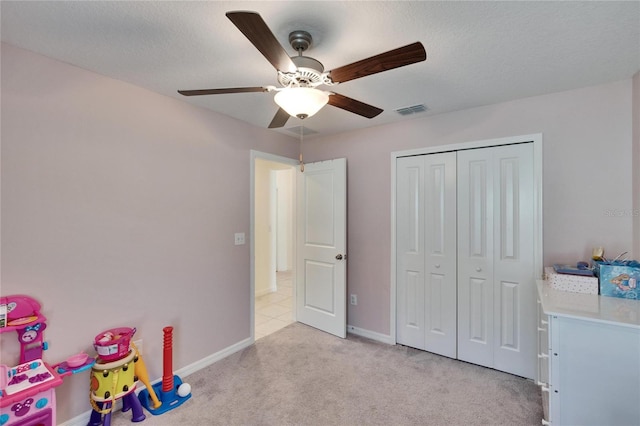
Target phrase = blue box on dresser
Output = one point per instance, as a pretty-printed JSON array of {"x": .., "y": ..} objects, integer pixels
[{"x": 619, "y": 279}]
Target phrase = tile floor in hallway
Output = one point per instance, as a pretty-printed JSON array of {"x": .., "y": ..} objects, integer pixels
[{"x": 275, "y": 310}]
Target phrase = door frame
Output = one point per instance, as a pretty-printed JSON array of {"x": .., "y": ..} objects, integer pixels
[
  {"x": 536, "y": 138},
  {"x": 253, "y": 155}
]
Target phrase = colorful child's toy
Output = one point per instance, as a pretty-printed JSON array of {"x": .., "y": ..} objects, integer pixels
[
  {"x": 143, "y": 376},
  {"x": 171, "y": 390},
  {"x": 114, "y": 376},
  {"x": 27, "y": 391},
  {"x": 114, "y": 344},
  {"x": 29, "y": 395},
  {"x": 23, "y": 316}
]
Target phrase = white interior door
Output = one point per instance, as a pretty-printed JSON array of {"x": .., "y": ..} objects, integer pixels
[
  {"x": 496, "y": 280},
  {"x": 440, "y": 254},
  {"x": 410, "y": 257},
  {"x": 321, "y": 296},
  {"x": 465, "y": 282},
  {"x": 475, "y": 256},
  {"x": 515, "y": 327},
  {"x": 426, "y": 252}
]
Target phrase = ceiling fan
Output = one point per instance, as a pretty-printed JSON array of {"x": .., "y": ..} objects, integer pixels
[{"x": 299, "y": 76}]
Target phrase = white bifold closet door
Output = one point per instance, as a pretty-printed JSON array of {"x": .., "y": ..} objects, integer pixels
[
  {"x": 426, "y": 252},
  {"x": 464, "y": 256},
  {"x": 496, "y": 282}
]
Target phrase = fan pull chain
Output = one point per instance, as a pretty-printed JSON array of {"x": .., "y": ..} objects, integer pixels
[{"x": 301, "y": 140}]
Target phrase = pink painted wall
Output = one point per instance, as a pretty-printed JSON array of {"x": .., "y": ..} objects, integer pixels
[
  {"x": 587, "y": 179},
  {"x": 119, "y": 208}
]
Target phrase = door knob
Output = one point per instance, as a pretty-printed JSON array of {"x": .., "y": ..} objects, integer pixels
[
  {"x": 339, "y": 256},
  {"x": 437, "y": 265},
  {"x": 478, "y": 269}
]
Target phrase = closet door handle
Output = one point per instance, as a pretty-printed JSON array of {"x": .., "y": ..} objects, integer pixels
[
  {"x": 437, "y": 265},
  {"x": 478, "y": 269}
]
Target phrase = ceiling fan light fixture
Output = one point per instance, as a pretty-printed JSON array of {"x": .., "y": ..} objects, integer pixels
[{"x": 301, "y": 102}]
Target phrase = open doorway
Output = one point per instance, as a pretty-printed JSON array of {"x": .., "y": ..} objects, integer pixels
[{"x": 273, "y": 243}]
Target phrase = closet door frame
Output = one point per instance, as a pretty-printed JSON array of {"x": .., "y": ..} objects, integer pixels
[{"x": 535, "y": 138}]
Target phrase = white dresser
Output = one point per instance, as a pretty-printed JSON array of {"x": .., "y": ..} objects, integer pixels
[{"x": 589, "y": 358}]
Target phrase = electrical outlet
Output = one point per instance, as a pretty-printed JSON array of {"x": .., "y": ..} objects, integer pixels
[
  {"x": 239, "y": 238},
  {"x": 354, "y": 299},
  {"x": 138, "y": 344}
]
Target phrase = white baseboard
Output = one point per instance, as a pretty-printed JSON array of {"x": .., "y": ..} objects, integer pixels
[
  {"x": 373, "y": 335},
  {"x": 83, "y": 419},
  {"x": 207, "y": 361},
  {"x": 262, "y": 292}
]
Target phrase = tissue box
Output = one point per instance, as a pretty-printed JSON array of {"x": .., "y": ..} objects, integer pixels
[
  {"x": 571, "y": 283},
  {"x": 620, "y": 280}
]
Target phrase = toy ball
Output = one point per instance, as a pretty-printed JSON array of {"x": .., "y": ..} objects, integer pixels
[{"x": 184, "y": 390}]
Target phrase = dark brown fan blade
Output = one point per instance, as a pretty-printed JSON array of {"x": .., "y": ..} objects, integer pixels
[
  {"x": 222, "y": 91},
  {"x": 396, "y": 58},
  {"x": 256, "y": 30},
  {"x": 280, "y": 119},
  {"x": 351, "y": 105}
]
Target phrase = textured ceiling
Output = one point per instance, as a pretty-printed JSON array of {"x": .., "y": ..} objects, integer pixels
[{"x": 478, "y": 53}]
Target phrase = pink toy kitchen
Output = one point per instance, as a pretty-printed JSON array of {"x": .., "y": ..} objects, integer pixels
[{"x": 28, "y": 389}]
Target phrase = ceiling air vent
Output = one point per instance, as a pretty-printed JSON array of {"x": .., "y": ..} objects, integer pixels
[
  {"x": 414, "y": 109},
  {"x": 305, "y": 130}
]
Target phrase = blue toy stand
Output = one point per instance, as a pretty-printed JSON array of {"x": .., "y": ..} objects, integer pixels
[{"x": 170, "y": 400}]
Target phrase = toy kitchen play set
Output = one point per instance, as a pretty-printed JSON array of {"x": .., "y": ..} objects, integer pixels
[{"x": 27, "y": 390}]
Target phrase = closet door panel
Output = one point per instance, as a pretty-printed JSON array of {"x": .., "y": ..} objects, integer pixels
[
  {"x": 515, "y": 298},
  {"x": 475, "y": 256},
  {"x": 477, "y": 323},
  {"x": 465, "y": 277},
  {"x": 440, "y": 253},
  {"x": 410, "y": 252}
]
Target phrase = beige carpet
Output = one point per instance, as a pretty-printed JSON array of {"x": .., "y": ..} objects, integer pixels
[{"x": 302, "y": 376}]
